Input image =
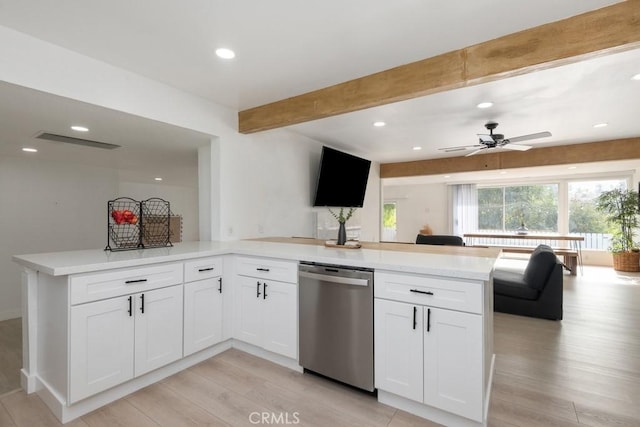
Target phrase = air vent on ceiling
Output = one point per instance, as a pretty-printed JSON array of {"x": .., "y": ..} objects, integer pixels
[{"x": 76, "y": 141}]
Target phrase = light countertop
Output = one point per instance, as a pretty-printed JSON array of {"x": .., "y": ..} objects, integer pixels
[{"x": 440, "y": 261}]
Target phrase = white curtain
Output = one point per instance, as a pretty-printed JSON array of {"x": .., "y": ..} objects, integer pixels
[{"x": 465, "y": 208}]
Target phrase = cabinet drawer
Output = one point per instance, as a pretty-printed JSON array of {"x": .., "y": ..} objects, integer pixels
[
  {"x": 202, "y": 268},
  {"x": 97, "y": 286},
  {"x": 265, "y": 268},
  {"x": 430, "y": 290}
]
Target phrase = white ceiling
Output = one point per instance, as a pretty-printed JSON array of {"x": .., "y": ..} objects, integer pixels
[{"x": 288, "y": 47}]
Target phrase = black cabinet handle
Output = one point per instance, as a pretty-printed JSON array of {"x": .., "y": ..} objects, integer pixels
[
  {"x": 142, "y": 303},
  {"x": 257, "y": 289},
  {"x": 415, "y": 322},
  {"x": 135, "y": 281},
  {"x": 428, "y": 319},
  {"x": 421, "y": 292},
  {"x": 205, "y": 269},
  {"x": 264, "y": 290},
  {"x": 262, "y": 269},
  {"x": 130, "y": 306},
  {"x": 220, "y": 284}
]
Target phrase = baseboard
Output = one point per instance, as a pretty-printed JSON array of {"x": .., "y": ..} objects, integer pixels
[
  {"x": 10, "y": 314},
  {"x": 487, "y": 394},
  {"x": 267, "y": 355},
  {"x": 64, "y": 413},
  {"x": 425, "y": 411}
]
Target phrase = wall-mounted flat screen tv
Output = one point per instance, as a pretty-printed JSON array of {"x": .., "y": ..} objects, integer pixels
[{"x": 342, "y": 180}]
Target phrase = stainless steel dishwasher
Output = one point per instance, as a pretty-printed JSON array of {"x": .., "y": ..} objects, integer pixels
[{"x": 336, "y": 322}]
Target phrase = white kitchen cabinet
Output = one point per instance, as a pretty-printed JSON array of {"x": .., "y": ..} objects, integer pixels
[
  {"x": 203, "y": 305},
  {"x": 430, "y": 354},
  {"x": 120, "y": 338},
  {"x": 399, "y": 363},
  {"x": 280, "y": 318},
  {"x": 267, "y": 309},
  {"x": 452, "y": 366},
  {"x": 158, "y": 328},
  {"x": 101, "y": 345}
]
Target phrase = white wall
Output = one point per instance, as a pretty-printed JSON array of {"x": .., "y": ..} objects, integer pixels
[
  {"x": 416, "y": 206},
  {"x": 267, "y": 186},
  {"x": 48, "y": 206}
]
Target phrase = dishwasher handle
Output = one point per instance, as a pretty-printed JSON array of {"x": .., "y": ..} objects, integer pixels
[{"x": 335, "y": 279}]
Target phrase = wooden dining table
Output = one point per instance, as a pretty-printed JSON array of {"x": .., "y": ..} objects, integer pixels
[{"x": 574, "y": 241}]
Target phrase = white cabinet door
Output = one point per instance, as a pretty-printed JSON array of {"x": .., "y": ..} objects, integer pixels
[
  {"x": 158, "y": 328},
  {"x": 202, "y": 314},
  {"x": 453, "y": 366},
  {"x": 249, "y": 300},
  {"x": 101, "y": 346},
  {"x": 398, "y": 348},
  {"x": 280, "y": 318}
]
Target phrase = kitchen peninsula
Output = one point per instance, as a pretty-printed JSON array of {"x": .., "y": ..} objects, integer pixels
[{"x": 99, "y": 325}]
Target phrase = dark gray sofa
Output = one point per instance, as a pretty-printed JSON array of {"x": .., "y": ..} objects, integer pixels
[{"x": 536, "y": 292}]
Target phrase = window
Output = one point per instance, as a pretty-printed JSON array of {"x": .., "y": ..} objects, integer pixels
[
  {"x": 507, "y": 208},
  {"x": 584, "y": 218},
  {"x": 389, "y": 230}
]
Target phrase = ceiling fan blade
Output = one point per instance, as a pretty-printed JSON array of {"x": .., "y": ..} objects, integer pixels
[
  {"x": 516, "y": 147},
  {"x": 485, "y": 138},
  {"x": 530, "y": 136},
  {"x": 476, "y": 152},
  {"x": 460, "y": 148}
]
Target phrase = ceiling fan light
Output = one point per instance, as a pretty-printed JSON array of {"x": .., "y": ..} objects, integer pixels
[{"x": 485, "y": 104}]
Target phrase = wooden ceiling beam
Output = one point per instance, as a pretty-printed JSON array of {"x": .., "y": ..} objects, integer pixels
[
  {"x": 603, "y": 31},
  {"x": 618, "y": 149}
]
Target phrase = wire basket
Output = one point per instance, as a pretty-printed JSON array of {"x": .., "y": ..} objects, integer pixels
[
  {"x": 156, "y": 215},
  {"x": 123, "y": 224},
  {"x": 133, "y": 224}
]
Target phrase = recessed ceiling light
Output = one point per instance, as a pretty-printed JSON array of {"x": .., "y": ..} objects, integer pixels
[
  {"x": 485, "y": 104},
  {"x": 225, "y": 53},
  {"x": 379, "y": 124},
  {"x": 30, "y": 150},
  {"x": 572, "y": 167},
  {"x": 447, "y": 176},
  {"x": 600, "y": 125},
  {"x": 503, "y": 172},
  {"x": 416, "y": 148},
  {"x": 80, "y": 128},
  {"x": 636, "y": 77},
  {"x": 158, "y": 178}
]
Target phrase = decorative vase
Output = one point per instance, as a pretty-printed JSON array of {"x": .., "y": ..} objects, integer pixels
[
  {"x": 522, "y": 229},
  {"x": 342, "y": 234}
]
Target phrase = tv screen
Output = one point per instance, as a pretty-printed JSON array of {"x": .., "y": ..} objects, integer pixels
[{"x": 342, "y": 180}]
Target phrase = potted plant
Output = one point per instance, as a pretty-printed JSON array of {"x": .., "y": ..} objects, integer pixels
[
  {"x": 342, "y": 219},
  {"x": 621, "y": 210}
]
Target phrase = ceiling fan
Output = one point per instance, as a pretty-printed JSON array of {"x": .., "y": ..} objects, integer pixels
[{"x": 497, "y": 140}]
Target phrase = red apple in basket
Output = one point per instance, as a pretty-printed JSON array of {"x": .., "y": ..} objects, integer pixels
[
  {"x": 127, "y": 215},
  {"x": 117, "y": 216},
  {"x": 134, "y": 219}
]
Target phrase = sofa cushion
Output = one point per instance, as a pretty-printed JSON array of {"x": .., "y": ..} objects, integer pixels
[
  {"x": 540, "y": 266},
  {"x": 512, "y": 284}
]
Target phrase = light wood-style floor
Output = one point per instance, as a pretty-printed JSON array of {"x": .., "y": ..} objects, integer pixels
[
  {"x": 10, "y": 355},
  {"x": 582, "y": 371}
]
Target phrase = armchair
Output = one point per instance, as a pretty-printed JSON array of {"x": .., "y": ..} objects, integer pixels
[{"x": 536, "y": 292}]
